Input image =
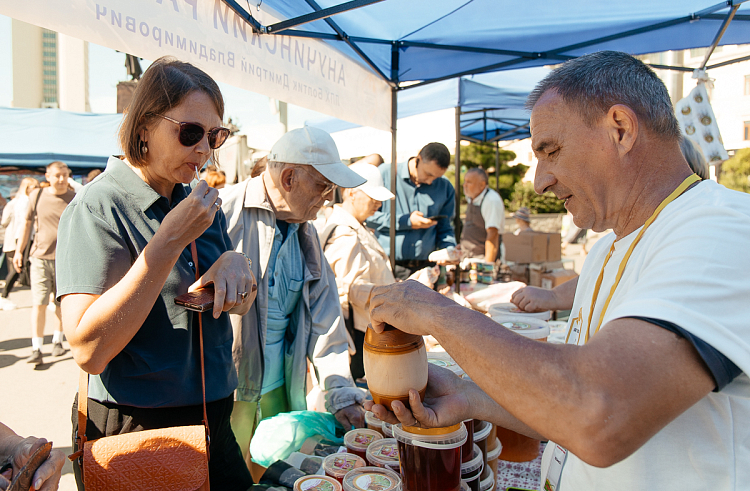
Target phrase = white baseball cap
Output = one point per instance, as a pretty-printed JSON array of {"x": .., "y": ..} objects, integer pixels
[
  {"x": 374, "y": 187},
  {"x": 313, "y": 146}
]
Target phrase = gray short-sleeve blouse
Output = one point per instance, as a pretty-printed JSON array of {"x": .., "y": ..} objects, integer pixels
[{"x": 101, "y": 234}]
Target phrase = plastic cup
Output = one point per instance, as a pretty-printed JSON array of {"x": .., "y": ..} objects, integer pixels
[
  {"x": 471, "y": 470},
  {"x": 384, "y": 453},
  {"x": 493, "y": 455},
  {"x": 338, "y": 464},
  {"x": 510, "y": 310},
  {"x": 467, "y": 448},
  {"x": 373, "y": 423},
  {"x": 443, "y": 359},
  {"x": 387, "y": 430},
  {"x": 487, "y": 481},
  {"x": 430, "y": 458},
  {"x": 317, "y": 483},
  {"x": 482, "y": 431},
  {"x": 358, "y": 440},
  {"x": 372, "y": 478}
]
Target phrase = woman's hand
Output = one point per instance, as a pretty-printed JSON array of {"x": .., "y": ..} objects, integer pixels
[
  {"x": 47, "y": 476},
  {"x": 189, "y": 219},
  {"x": 234, "y": 284}
]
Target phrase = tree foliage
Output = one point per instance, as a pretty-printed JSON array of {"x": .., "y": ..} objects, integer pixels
[
  {"x": 735, "y": 172},
  {"x": 483, "y": 155},
  {"x": 524, "y": 195}
]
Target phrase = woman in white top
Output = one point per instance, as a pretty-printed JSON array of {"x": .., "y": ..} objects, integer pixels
[{"x": 14, "y": 216}]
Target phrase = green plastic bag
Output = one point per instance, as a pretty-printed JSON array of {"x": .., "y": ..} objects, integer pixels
[{"x": 277, "y": 437}]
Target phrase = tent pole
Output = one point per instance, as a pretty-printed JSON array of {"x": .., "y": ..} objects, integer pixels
[
  {"x": 497, "y": 166},
  {"x": 457, "y": 221},
  {"x": 719, "y": 35},
  {"x": 394, "y": 164}
]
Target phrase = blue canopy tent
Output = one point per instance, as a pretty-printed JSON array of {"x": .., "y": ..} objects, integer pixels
[
  {"x": 411, "y": 43},
  {"x": 32, "y": 138}
]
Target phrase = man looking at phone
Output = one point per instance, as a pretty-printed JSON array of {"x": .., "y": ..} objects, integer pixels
[
  {"x": 297, "y": 314},
  {"x": 425, "y": 205},
  {"x": 485, "y": 217}
]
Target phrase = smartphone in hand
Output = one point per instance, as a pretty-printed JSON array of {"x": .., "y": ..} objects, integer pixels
[
  {"x": 436, "y": 217},
  {"x": 200, "y": 300}
]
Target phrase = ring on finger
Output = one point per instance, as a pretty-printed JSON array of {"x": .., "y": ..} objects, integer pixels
[
  {"x": 243, "y": 296},
  {"x": 217, "y": 203}
]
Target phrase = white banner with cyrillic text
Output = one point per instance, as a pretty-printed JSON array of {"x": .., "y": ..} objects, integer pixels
[{"x": 207, "y": 33}]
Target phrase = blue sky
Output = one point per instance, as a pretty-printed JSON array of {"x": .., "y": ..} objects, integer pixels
[{"x": 107, "y": 67}]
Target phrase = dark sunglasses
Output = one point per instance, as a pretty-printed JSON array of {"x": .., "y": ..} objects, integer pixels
[{"x": 192, "y": 133}]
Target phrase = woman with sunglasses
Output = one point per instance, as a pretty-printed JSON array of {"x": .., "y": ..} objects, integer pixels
[{"x": 124, "y": 254}]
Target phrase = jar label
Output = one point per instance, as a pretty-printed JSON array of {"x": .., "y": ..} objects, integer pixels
[
  {"x": 344, "y": 462},
  {"x": 388, "y": 451},
  {"x": 363, "y": 439},
  {"x": 373, "y": 482},
  {"x": 316, "y": 485}
]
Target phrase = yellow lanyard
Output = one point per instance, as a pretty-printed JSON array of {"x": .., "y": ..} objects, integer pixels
[{"x": 675, "y": 194}]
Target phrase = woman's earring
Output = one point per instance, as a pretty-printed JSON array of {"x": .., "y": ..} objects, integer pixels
[{"x": 144, "y": 147}]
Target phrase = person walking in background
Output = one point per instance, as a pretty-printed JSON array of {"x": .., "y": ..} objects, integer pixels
[
  {"x": 14, "y": 216},
  {"x": 125, "y": 255},
  {"x": 425, "y": 206},
  {"x": 357, "y": 260},
  {"x": 46, "y": 205},
  {"x": 485, "y": 217},
  {"x": 523, "y": 220}
]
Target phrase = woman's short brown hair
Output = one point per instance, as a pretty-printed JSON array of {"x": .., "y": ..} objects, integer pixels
[{"x": 164, "y": 85}]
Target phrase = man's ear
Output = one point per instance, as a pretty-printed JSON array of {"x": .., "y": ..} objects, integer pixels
[
  {"x": 287, "y": 178},
  {"x": 622, "y": 124}
]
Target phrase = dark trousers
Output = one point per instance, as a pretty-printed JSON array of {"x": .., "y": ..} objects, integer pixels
[
  {"x": 226, "y": 467},
  {"x": 12, "y": 277},
  {"x": 405, "y": 268},
  {"x": 357, "y": 364}
]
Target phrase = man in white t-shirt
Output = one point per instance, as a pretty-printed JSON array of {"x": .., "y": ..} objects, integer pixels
[
  {"x": 651, "y": 390},
  {"x": 485, "y": 217}
]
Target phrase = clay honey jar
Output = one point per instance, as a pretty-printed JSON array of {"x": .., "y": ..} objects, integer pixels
[{"x": 394, "y": 363}]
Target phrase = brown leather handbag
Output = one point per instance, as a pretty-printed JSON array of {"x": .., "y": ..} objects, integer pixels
[{"x": 166, "y": 459}]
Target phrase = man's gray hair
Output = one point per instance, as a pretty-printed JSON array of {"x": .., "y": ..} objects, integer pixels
[
  {"x": 695, "y": 158},
  {"x": 480, "y": 171},
  {"x": 595, "y": 82}
]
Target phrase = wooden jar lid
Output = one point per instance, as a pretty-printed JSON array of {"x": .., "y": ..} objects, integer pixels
[{"x": 391, "y": 340}]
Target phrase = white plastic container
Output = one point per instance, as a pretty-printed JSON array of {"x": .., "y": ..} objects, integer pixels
[
  {"x": 527, "y": 327},
  {"x": 502, "y": 310}
]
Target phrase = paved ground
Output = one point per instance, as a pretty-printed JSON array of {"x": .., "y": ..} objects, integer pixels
[{"x": 36, "y": 401}]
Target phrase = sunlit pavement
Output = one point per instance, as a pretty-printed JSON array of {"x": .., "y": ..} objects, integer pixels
[{"x": 36, "y": 400}]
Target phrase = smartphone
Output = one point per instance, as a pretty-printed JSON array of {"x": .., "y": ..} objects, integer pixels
[
  {"x": 200, "y": 300},
  {"x": 436, "y": 217}
]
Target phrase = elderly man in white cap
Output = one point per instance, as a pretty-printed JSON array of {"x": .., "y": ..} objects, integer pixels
[
  {"x": 356, "y": 257},
  {"x": 296, "y": 316}
]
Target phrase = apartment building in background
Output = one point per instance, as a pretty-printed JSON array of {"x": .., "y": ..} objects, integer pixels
[{"x": 50, "y": 70}]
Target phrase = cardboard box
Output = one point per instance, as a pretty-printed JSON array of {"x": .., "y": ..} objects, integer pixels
[
  {"x": 520, "y": 272},
  {"x": 537, "y": 269},
  {"x": 525, "y": 248},
  {"x": 534, "y": 247},
  {"x": 557, "y": 277}
]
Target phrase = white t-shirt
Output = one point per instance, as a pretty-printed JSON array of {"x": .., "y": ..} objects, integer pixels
[
  {"x": 491, "y": 207},
  {"x": 691, "y": 268}
]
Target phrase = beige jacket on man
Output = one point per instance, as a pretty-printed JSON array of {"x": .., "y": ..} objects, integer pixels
[{"x": 358, "y": 262}]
